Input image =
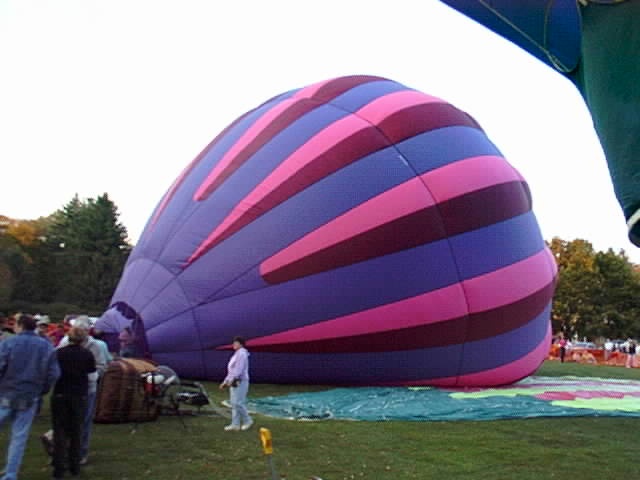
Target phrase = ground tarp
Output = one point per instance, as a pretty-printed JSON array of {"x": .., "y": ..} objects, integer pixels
[{"x": 532, "y": 397}]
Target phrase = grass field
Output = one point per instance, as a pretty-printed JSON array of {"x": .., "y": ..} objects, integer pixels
[{"x": 554, "y": 448}]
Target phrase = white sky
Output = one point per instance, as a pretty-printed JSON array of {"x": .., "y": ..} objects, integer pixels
[{"x": 118, "y": 96}]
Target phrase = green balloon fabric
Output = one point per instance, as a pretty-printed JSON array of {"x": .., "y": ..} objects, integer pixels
[
  {"x": 531, "y": 397},
  {"x": 608, "y": 76}
]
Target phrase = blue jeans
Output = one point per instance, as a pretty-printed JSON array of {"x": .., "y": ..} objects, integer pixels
[
  {"x": 88, "y": 424},
  {"x": 21, "y": 421},
  {"x": 238, "y": 400}
]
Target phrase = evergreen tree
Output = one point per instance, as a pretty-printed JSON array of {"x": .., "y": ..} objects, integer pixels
[{"x": 90, "y": 247}]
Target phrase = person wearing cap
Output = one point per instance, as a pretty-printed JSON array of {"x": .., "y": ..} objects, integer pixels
[
  {"x": 42, "y": 327},
  {"x": 28, "y": 370}
]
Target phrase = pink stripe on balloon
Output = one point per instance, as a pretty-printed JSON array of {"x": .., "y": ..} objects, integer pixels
[
  {"x": 306, "y": 154},
  {"x": 374, "y": 112},
  {"x": 406, "y": 198},
  {"x": 310, "y": 90},
  {"x": 513, "y": 371},
  {"x": 506, "y": 285},
  {"x": 468, "y": 175},
  {"x": 436, "y": 306},
  {"x": 385, "y": 106},
  {"x": 380, "y": 210},
  {"x": 247, "y": 137},
  {"x": 503, "y": 375}
]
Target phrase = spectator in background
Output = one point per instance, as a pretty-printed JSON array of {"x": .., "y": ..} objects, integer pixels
[
  {"x": 82, "y": 321},
  {"x": 631, "y": 354},
  {"x": 608, "y": 349},
  {"x": 97, "y": 336},
  {"x": 28, "y": 370},
  {"x": 69, "y": 402},
  {"x": 562, "y": 343},
  {"x": 5, "y": 330},
  {"x": 42, "y": 327},
  {"x": 58, "y": 334},
  {"x": 127, "y": 343}
]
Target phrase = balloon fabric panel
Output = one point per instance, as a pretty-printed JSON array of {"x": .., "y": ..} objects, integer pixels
[{"x": 355, "y": 231}]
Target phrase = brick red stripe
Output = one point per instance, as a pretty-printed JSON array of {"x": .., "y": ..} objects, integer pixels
[
  {"x": 298, "y": 109},
  {"x": 458, "y": 215},
  {"x": 397, "y": 127},
  {"x": 467, "y": 328}
]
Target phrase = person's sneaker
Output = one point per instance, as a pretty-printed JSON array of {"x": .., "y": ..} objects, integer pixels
[
  {"x": 246, "y": 426},
  {"x": 47, "y": 442},
  {"x": 231, "y": 428},
  {"x": 84, "y": 460}
]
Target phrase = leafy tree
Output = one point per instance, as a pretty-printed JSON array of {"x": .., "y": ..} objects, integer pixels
[
  {"x": 90, "y": 248},
  {"x": 578, "y": 284},
  {"x": 619, "y": 296},
  {"x": 598, "y": 293}
]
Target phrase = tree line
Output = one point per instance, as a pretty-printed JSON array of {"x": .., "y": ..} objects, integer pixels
[
  {"x": 71, "y": 259},
  {"x": 598, "y": 292}
]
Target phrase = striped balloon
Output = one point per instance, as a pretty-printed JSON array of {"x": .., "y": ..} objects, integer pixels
[{"x": 356, "y": 232}]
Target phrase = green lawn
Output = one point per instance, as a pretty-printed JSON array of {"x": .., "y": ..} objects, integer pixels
[{"x": 588, "y": 448}]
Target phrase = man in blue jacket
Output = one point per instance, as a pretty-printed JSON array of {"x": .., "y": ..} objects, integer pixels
[{"x": 28, "y": 370}]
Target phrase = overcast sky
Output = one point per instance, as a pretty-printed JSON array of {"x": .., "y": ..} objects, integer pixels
[{"x": 118, "y": 96}]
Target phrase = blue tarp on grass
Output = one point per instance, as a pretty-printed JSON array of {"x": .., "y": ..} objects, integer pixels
[{"x": 532, "y": 397}]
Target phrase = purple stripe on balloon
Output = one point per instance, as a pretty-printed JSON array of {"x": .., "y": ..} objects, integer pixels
[
  {"x": 502, "y": 375},
  {"x": 476, "y": 326},
  {"x": 406, "y": 366},
  {"x": 452, "y": 217},
  {"x": 486, "y": 292},
  {"x": 176, "y": 184},
  {"x": 274, "y": 121},
  {"x": 483, "y": 293},
  {"x": 389, "y": 119}
]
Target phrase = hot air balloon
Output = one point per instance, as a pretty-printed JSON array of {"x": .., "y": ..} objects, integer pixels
[
  {"x": 595, "y": 43},
  {"x": 356, "y": 232}
]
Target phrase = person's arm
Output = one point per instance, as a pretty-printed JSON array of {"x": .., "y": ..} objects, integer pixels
[
  {"x": 53, "y": 371},
  {"x": 100, "y": 359},
  {"x": 4, "y": 357}
]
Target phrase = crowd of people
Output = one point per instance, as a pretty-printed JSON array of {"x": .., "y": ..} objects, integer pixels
[
  {"x": 66, "y": 359},
  {"x": 610, "y": 352}
]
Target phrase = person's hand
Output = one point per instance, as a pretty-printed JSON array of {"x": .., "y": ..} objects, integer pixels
[{"x": 222, "y": 386}]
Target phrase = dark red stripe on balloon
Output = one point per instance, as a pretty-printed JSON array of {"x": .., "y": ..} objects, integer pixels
[
  {"x": 178, "y": 182},
  {"x": 337, "y": 87},
  {"x": 303, "y": 106},
  {"x": 423, "y": 118},
  {"x": 458, "y": 215},
  {"x": 397, "y": 127},
  {"x": 338, "y": 156},
  {"x": 474, "y": 327}
]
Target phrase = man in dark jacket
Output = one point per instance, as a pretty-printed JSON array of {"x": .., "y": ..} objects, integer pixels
[
  {"x": 28, "y": 369},
  {"x": 69, "y": 402}
]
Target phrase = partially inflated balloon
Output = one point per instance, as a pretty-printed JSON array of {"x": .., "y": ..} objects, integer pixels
[{"x": 355, "y": 232}]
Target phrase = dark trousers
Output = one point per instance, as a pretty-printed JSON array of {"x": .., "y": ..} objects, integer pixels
[{"x": 67, "y": 413}]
